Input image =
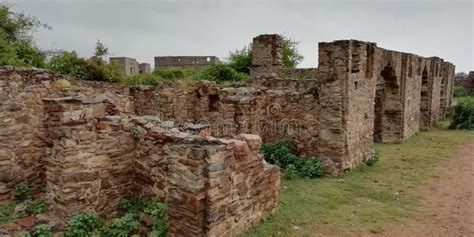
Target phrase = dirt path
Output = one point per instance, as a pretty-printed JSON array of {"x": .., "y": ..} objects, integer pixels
[{"x": 449, "y": 201}]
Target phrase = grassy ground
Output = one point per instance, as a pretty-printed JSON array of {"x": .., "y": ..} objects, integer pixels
[{"x": 365, "y": 199}]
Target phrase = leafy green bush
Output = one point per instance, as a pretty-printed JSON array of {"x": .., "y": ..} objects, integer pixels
[
  {"x": 69, "y": 63},
  {"x": 220, "y": 73},
  {"x": 42, "y": 230},
  {"x": 157, "y": 211},
  {"x": 83, "y": 224},
  {"x": 290, "y": 172},
  {"x": 132, "y": 205},
  {"x": 241, "y": 60},
  {"x": 282, "y": 153},
  {"x": 123, "y": 227},
  {"x": 7, "y": 212},
  {"x": 309, "y": 167},
  {"x": 22, "y": 191},
  {"x": 463, "y": 117},
  {"x": 37, "y": 206}
]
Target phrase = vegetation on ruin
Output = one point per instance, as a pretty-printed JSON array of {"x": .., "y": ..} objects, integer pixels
[
  {"x": 365, "y": 199},
  {"x": 241, "y": 59},
  {"x": 134, "y": 132},
  {"x": 83, "y": 224},
  {"x": 132, "y": 213},
  {"x": 463, "y": 117},
  {"x": 22, "y": 206},
  {"x": 42, "y": 230},
  {"x": 282, "y": 153}
]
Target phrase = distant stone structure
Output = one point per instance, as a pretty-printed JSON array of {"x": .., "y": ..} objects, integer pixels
[
  {"x": 130, "y": 66},
  {"x": 144, "y": 68},
  {"x": 184, "y": 61}
]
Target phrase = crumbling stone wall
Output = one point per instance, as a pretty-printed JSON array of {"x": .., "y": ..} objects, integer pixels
[
  {"x": 406, "y": 91},
  {"x": 230, "y": 111},
  {"x": 298, "y": 73},
  {"x": 267, "y": 57},
  {"x": 198, "y": 176},
  {"x": 215, "y": 187},
  {"x": 23, "y": 140},
  {"x": 91, "y": 164}
]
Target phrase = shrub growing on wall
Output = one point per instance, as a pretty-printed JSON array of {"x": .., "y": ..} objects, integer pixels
[{"x": 463, "y": 117}]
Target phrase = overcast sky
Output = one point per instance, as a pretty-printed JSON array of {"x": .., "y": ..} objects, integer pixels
[{"x": 143, "y": 29}]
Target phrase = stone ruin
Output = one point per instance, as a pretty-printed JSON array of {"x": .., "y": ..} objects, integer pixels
[{"x": 192, "y": 142}]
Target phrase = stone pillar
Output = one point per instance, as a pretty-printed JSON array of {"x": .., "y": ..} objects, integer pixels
[
  {"x": 347, "y": 94},
  {"x": 267, "y": 57}
]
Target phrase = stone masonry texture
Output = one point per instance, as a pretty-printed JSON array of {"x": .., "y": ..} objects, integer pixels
[{"x": 196, "y": 144}]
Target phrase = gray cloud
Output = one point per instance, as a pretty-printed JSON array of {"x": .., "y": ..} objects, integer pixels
[{"x": 144, "y": 29}]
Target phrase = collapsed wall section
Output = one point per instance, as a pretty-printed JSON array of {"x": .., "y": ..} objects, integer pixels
[
  {"x": 289, "y": 111},
  {"x": 91, "y": 164},
  {"x": 214, "y": 187},
  {"x": 24, "y": 142}
]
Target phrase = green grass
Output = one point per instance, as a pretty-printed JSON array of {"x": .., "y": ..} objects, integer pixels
[{"x": 365, "y": 199}]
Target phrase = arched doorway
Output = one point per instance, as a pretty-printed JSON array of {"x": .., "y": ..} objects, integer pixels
[{"x": 386, "y": 102}]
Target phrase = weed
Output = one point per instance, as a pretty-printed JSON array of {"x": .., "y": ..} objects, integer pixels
[
  {"x": 134, "y": 132},
  {"x": 83, "y": 224},
  {"x": 123, "y": 226},
  {"x": 22, "y": 191},
  {"x": 42, "y": 230}
]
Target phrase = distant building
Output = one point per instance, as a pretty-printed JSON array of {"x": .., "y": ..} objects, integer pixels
[
  {"x": 144, "y": 68},
  {"x": 184, "y": 61},
  {"x": 130, "y": 66}
]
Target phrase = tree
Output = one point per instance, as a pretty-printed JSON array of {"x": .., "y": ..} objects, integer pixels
[
  {"x": 291, "y": 55},
  {"x": 100, "y": 50},
  {"x": 16, "y": 39},
  {"x": 241, "y": 60}
]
